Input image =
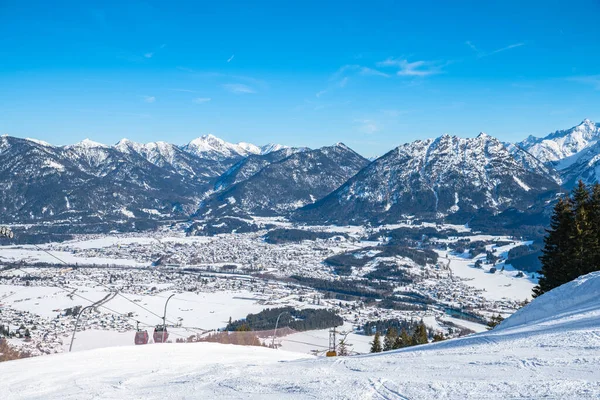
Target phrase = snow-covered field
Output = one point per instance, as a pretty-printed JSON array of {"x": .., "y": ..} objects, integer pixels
[
  {"x": 549, "y": 349},
  {"x": 147, "y": 267}
]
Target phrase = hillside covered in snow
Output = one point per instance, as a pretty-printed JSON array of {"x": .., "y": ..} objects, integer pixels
[{"x": 548, "y": 349}]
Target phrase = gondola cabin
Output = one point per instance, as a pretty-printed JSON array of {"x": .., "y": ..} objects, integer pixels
[
  {"x": 160, "y": 334},
  {"x": 141, "y": 337}
]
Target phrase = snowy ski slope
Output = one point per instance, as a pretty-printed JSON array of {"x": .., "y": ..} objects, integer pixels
[{"x": 549, "y": 349}]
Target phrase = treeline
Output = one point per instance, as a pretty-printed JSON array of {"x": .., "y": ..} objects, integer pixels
[
  {"x": 343, "y": 263},
  {"x": 572, "y": 245},
  {"x": 526, "y": 257},
  {"x": 347, "y": 289},
  {"x": 391, "y": 272},
  {"x": 397, "y": 338},
  {"x": 298, "y": 320},
  {"x": 278, "y": 236},
  {"x": 382, "y": 325},
  {"x": 400, "y": 236}
]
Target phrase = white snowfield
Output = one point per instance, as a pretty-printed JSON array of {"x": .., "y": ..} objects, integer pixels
[{"x": 550, "y": 349}]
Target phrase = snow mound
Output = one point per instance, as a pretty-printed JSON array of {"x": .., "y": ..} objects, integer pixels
[{"x": 575, "y": 299}]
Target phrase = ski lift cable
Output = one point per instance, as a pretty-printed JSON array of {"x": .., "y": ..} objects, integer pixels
[
  {"x": 118, "y": 293},
  {"x": 111, "y": 310}
]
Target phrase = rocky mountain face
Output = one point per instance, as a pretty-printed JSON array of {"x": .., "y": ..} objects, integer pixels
[
  {"x": 212, "y": 148},
  {"x": 573, "y": 153},
  {"x": 252, "y": 164},
  {"x": 584, "y": 166},
  {"x": 437, "y": 178},
  {"x": 285, "y": 185},
  {"x": 447, "y": 178},
  {"x": 87, "y": 180},
  {"x": 563, "y": 143},
  {"x": 90, "y": 181}
]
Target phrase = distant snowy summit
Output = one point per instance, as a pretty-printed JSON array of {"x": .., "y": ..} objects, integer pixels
[
  {"x": 205, "y": 146},
  {"x": 212, "y": 147},
  {"x": 563, "y": 143}
]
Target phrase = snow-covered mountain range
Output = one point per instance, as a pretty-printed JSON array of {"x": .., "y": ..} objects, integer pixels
[
  {"x": 436, "y": 178},
  {"x": 211, "y": 147},
  {"x": 446, "y": 177},
  {"x": 563, "y": 143},
  {"x": 90, "y": 181},
  {"x": 283, "y": 185}
]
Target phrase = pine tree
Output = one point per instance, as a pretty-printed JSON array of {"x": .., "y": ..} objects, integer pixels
[
  {"x": 572, "y": 244},
  {"x": 420, "y": 334},
  {"x": 404, "y": 338},
  {"x": 556, "y": 255},
  {"x": 390, "y": 339},
  {"x": 584, "y": 239},
  {"x": 398, "y": 343},
  {"x": 594, "y": 220},
  {"x": 438, "y": 337},
  {"x": 376, "y": 345},
  {"x": 495, "y": 321},
  {"x": 343, "y": 348}
]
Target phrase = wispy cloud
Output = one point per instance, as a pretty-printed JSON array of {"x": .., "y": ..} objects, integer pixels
[
  {"x": 367, "y": 126},
  {"x": 355, "y": 69},
  {"x": 231, "y": 58},
  {"x": 149, "y": 99},
  {"x": 472, "y": 46},
  {"x": 414, "y": 69},
  {"x": 341, "y": 77},
  {"x": 200, "y": 100},
  {"x": 590, "y": 80},
  {"x": 151, "y": 54},
  {"x": 238, "y": 88},
  {"x": 480, "y": 53}
]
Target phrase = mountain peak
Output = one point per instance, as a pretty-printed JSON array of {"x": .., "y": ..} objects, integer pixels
[
  {"x": 563, "y": 143},
  {"x": 88, "y": 143},
  {"x": 40, "y": 142}
]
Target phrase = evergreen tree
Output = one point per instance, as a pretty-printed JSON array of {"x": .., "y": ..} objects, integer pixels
[
  {"x": 572, "y": 244},
  {"x": 594, "y": 221},
  {"x": 438, "y": 337},
  {"x": 404, "y": 338},
  {"x": 397, "y": 343},
  {"x": 376, "y": 345},
  {"x": 390, "y": 339},
  {"x": 556, "y": 255},
  {"x": 420, "y": 335},
  {"x": 583, "y": 237},
  {"x": 495, "y": 321}
]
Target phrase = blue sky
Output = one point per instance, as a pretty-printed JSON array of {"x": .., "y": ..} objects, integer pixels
[{"x": 372, "y": 74}]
